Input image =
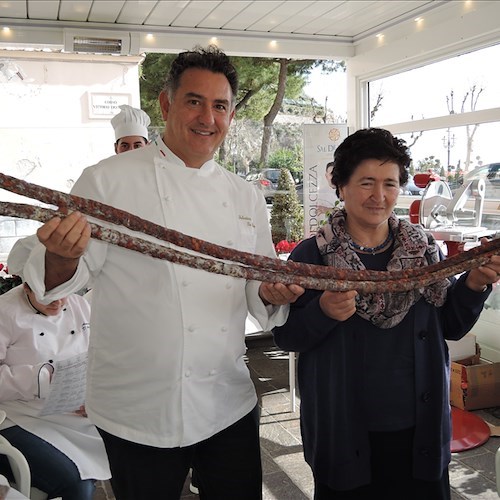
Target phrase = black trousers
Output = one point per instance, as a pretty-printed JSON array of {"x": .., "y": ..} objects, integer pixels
[
  {"x": 392, "y": 478},
  {"x": 228, "y": 465}
]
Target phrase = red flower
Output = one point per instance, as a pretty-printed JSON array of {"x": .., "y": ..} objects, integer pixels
[
  {"x": 1, "y": 266},
  {"x": 285, "y": 246}
]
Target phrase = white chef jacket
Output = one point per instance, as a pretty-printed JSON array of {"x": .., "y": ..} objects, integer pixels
[
  {"x": 166, "y": 357},
  {"x": 29, "y": 341}
]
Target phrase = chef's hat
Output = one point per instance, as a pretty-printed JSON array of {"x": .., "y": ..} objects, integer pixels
[{"x": 130, "y": 121}]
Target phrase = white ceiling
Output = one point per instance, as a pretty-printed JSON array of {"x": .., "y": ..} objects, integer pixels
[
  {"x": 328, "y": 29},
  {"x": 344, "y": 20}
]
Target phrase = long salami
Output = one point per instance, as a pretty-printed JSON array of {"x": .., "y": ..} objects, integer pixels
[
  {"x": 101, "y": 211},
  {"x": 434, "y": 273},
  {"x": 459, "y": 262}
]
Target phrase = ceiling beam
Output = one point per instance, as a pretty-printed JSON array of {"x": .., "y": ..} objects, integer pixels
[{"x": 24, "y": 33}]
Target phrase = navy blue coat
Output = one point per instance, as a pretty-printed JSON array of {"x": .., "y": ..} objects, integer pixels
[{"x": 330, "y": 364}]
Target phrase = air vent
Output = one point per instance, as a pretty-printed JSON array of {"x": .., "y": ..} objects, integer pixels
[
  {"x": 100, "y": 42},
  {"x": 97, "y": 45}
]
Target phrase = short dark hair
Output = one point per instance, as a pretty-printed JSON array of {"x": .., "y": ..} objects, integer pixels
[
  {"x": 365, "y": 144},
  {"x": 120, "y": 138},
  {"x": 210, "y": 58}
]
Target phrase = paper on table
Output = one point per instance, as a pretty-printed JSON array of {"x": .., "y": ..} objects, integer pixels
[{"x": 67, "y": 388}]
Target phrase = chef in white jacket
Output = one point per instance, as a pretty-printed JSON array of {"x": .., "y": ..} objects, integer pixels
[
  {"x": 64, "y": 451},
  {"x": 167, "y": 383}
]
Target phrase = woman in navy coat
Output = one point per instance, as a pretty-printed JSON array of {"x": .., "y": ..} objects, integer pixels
[{"x": 373, "y": 369}]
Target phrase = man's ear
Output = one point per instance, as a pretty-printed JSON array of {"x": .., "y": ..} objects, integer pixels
[{"x": 164, "y": 104}]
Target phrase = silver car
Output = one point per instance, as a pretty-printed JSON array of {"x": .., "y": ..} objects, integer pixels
[{"x": 266, "y": 181}]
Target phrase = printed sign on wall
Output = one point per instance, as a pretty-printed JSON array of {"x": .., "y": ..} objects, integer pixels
[
  {"x": 103, "y": 105},
  {"x": 320, "y": 142}
]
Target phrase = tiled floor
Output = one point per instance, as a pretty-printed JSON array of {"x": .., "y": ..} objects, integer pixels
[{"x": 288, "y": 477}]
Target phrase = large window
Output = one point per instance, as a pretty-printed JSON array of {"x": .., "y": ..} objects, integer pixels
[
  {"x": 449, "y": 114},
  {"x": 466, "y": 85},
  {"x": 426, "y": 92}
]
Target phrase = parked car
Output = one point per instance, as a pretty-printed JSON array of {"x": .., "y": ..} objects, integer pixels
[
  {"x": 411, "y": 188},
  {"x": 266, "y": 180}
]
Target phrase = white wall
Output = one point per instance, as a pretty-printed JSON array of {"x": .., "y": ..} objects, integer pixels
[{"x": 48, "y": 132}]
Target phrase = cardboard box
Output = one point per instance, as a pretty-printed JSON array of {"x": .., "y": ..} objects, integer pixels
[
  {"x": 463, "y": 348},
  {"x": 475, "y": 385},
  {"x": 471, "y": 360}
]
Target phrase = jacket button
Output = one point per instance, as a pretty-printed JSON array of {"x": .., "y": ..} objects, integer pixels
[
  {"x": 51, "y": 360},
  {"x": 42, "y": 334},
  {"x": 72, "y": 332},
  {"x": 423, "y": 335},
  {"x": 426, "y": 396}
]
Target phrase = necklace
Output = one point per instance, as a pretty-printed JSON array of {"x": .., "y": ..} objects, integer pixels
[{"x": 372, "y": 250}]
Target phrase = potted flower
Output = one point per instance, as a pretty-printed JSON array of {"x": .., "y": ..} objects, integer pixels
[{"x": 284, "y": 247}]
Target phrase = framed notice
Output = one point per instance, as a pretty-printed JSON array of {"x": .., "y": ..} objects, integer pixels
[
  {"x": 320, "y": 142},
  {"x": 102, "y": 105}
]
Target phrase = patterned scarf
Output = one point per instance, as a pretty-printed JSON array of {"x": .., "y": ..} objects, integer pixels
[{"x": 413, "y": 248}]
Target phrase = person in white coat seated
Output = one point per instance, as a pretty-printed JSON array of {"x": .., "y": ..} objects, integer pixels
[{"x": 64, "y": 451}]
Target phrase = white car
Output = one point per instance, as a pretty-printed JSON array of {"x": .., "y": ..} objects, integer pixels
[{"x": 411, "y": 188}]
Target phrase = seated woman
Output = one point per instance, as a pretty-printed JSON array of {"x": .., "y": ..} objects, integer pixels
[{"x": 64, "y": 451}]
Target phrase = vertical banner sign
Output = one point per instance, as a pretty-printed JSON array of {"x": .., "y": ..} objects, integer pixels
[{"x": 320, "y": 142}]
